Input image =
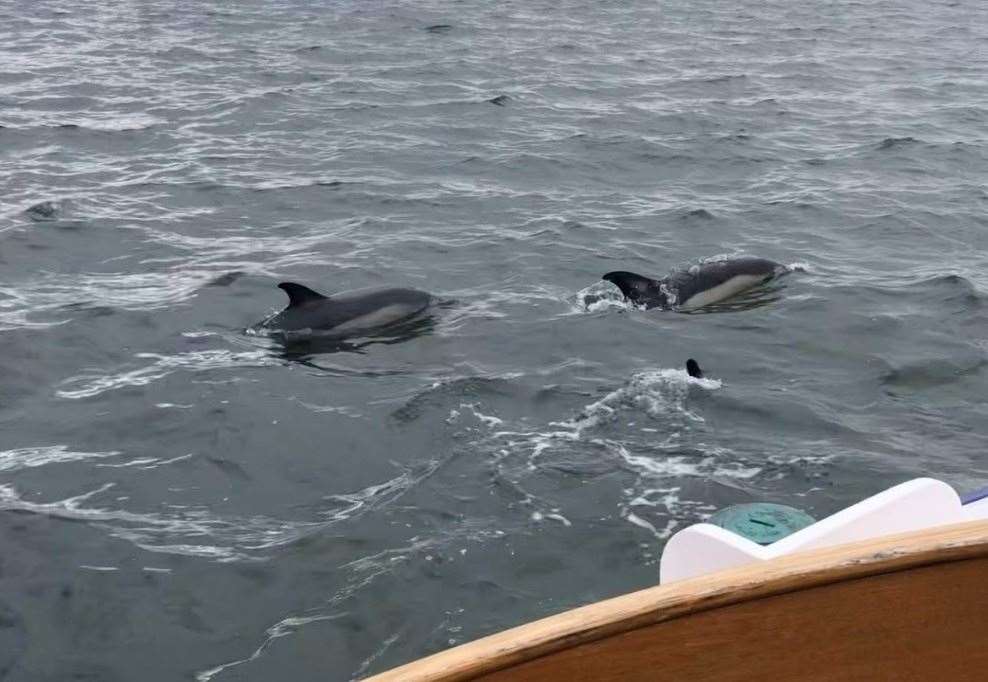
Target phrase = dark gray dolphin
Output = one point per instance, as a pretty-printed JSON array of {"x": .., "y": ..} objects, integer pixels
[
  {"x": 346, "y": 314},
  {"x": 698, "y": 285},
  {"x": 693, "y": 369}
]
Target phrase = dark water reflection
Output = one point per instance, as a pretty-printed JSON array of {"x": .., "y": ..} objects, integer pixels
[{"x": 308, "y": 346}]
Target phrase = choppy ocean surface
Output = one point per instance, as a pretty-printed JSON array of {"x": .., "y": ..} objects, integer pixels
[{"x": 184, "y": 501}]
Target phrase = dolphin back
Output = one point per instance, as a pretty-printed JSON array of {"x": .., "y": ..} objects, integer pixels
[
  {"x": 714, "y": 281},
  {"x": 698, "y": 285},
  {"x": 347, "y": 313}
]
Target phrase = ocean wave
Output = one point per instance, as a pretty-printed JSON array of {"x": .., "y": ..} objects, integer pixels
[
  {"x": 361, "y": 573},
  {"x": 601, "y": 296},
  {"x": 896, "y": 142},
  {"x": 661, "y": 394},
  {"x": 609, "y": 435},
  {"x": 192, "y": 531},
  {"x": 441, "y": 392},
  {"x": 109, "y": 123},
  {"x": 24, "y": 458},
  {"x": 95, "y": 382},
  {"x": 52, "y": 300},
  {"x": 233, "y": 539},
  {"x": 658, "y": 392}
]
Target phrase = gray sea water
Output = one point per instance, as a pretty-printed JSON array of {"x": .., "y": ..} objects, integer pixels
[{"x": 183, "y": 501}]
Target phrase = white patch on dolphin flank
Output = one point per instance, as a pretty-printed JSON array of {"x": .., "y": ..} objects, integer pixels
[
  {"x": 735, "y": 285},
  {"x": 381, "y": 317}
]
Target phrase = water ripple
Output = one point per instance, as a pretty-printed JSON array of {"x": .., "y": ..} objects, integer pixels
[
  {"x": 95, "y": 383},
  {"x": 21, "y": 458},
  {"x": 504, "y": 155}
]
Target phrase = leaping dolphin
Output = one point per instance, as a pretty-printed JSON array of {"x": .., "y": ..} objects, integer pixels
[
  {"x": 698, "y": 285},
  {"x": 346, "y": 314}
]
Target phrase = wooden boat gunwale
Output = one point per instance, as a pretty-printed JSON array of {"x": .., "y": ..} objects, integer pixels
[{"x": 888, "y": 554}]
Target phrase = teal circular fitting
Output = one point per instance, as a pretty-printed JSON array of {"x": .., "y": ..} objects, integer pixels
[{"x": 761, "y": 522}]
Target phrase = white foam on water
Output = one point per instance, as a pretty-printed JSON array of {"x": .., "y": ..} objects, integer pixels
[
  {"x": 498, "y": 301},
  {"x": 152, "y": 531},
  {"x": 671, "y": 294},
  {"x": 363, "y": 572},
  {"x": 466, "y": 312},
  {"x": 55, "y": 298},
  {"x": 345, "y": 410},
  {"x": 94, "y": 382},
  {"x": 351, "y": 505},
  {"x": 24, "y": 458},
  {"x": 660, "y": 393},
  {"x": 665, "y": 467},
  {"x": 669, "y": 497},
  {"x": 146, "y": 463},
  {"x": 116, "y": 122},
  {"x": 140, "y": 462},
  {"x": 196, "y": 531},
  {"x": 123, "y": 290},
  {"x": 487, "y": 420},
  {"x": 659, "y": 457},
  {"x": 280, "y": 629},
  {"x": 385, "y": 645},
  {"x": 559, "y": 517},
  {"x": 642, "y": 523},
  {"x": 599, "y": 296}
]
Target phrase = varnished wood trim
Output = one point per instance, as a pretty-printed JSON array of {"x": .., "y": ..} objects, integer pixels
[{"x": 666, "y": 602}]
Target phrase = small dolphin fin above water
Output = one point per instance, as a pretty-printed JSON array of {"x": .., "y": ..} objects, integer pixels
[
  {"x": 693, "y": 369},
  {"x": 300, "y": 295},
  {"x": 699, "y": 285}
]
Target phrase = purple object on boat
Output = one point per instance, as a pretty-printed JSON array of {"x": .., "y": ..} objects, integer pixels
[{"x": 974, "y": 496}]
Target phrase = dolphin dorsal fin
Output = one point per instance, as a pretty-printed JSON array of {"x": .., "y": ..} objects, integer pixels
[
  {"x": 298, "y": 294},
  {"x": 693, "y": 369},
  {"x": 631, "y": 285}
]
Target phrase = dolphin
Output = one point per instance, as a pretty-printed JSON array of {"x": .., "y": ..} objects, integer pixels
[
  {"x": 698, "y": 285},
  {"x": 693, "y": 369},
  {"x": 346, "y": 314}
]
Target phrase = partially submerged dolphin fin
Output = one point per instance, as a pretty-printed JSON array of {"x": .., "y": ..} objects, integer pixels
[
  {"x": 631, "y": 285},
  {"x": 693, "y": 369},
  {"x": 298, "y": 294}
]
